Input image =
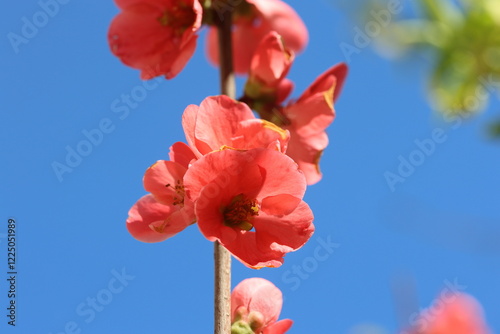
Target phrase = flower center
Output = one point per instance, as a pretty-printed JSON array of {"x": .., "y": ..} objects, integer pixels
[
  {"x": 179, "y": 17},
  {"x": 179, "y": 190},
  {"x": 240, "y": 212}
]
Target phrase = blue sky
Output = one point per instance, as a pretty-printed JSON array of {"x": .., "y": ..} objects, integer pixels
[{"x": 80, "y": 271}]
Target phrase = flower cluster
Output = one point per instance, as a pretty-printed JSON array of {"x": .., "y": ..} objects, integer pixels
[
  {"x": 241, "y": 179},
  {"x": 234, "y": 180},
  {"x": 159, "y": 37}
]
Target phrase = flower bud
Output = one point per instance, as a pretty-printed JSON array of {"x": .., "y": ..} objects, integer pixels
[{"x": 241, "y": 327}]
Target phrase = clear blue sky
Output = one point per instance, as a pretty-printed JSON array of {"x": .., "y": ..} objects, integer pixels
[{"x": 441, "y": 224}]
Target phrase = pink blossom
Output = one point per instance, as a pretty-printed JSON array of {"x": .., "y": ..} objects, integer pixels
[
  {"x": 458, "y": 313},
  {"x": 251, "y": 202},
  {"x": 165, "y": 211},
  {"x": 255, "y": 308},
  {"x": 157, "y": 37},
  {"x": 307, "y": 117},
  {"x": 151, "y": 221}
]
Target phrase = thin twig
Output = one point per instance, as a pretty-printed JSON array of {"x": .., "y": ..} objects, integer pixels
[{"x": 221, "y": 255}]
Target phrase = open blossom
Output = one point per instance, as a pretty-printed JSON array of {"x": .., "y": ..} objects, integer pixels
[
  {"x": 157, "y": 37},
  {"x": 251, "y": 202},
  {"x": 165, "y": 211},
  {"x": 255, "y": 308},
  {"x": 252, "y": 21},
  {"x": 459, "y": 314},
  {"x": 220, "y": 121},
  {"x": 307, "y": 117},
  {"x": 150, "y": 221}
]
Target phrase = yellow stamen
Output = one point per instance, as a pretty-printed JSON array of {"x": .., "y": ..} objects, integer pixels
[{"x": 240, "y": 212}]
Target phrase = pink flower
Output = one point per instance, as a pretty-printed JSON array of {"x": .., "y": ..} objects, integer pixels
[
  {"x": 458, "y": 314},
  {"x": 223, "y": 122},
  {"x": 255, "y": 307},
  {"x": 166, "y": 211},
  {"x": 151, "y": 221},
  {"x": 157, "y": 37},
  {"x": 306, "y": 118},
  {"x": 253, "y": 20},
  {"x": 309, "y": 116},
  {"x": 251, "y": 202}
]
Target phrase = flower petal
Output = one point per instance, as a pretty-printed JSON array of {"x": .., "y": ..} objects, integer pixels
[
  {"x": 284, "y": 233},
  {"x": 189, "y": 125},
  {"x": 307, "y": 153},
  {"x": 271, "y": 61},
  {"x": 135, "y": 46},
  {"x": 312, "y": 115},
  {"x": 334, "y": 76},
  {"x": 279, "y": 327},
  {"x": 280, "y": 205},
  {"x": 231, "y": 164},
  {"x": 284, "y": 89},
  {"x": 258, "y": 133},
  {"x": 285, "y": 21},
  {"x": 127, "y": 4},
  {"x": 282, "y": 175},
  {"x": 217, "y": 120},
  {"x": 182, "y": 57},
  {"x": 181, "y": 154}
]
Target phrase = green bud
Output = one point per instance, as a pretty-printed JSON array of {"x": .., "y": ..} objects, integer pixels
[{"x": 241, "y": 327}]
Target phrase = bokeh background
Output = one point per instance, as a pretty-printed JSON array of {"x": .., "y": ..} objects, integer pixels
[{"x": 390, "y": 234}]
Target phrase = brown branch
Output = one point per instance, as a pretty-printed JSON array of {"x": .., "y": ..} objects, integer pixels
[{"x": 221, "y": 255}]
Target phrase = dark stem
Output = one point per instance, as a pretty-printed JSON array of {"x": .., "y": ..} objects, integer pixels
[
  {"x": 224, "y": 23},
  {"x": 223, "y": 18}
]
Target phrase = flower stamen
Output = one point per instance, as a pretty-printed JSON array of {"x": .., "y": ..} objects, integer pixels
[
  {"x": 179, "y": 17},
  {"x": 240, "y": 212},
  {"x": 179, "y": 190}
]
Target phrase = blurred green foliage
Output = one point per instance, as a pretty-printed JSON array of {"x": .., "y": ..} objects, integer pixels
[{"x": 464, "y": 37}]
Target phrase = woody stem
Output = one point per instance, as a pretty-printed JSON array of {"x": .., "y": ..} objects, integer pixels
[
  {"x": 224, "y": 25},
  {"x": 223, "y": 19}
]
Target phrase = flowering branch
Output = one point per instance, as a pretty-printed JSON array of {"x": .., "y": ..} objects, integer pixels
[{"x": 222, "y": 258}]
